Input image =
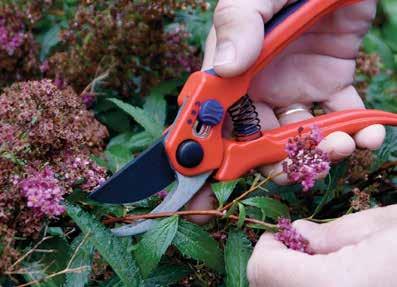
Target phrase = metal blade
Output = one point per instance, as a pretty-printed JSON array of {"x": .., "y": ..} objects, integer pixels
[
  {"x": 187, "y": 187},
  {"x": 149, "y": 173}
]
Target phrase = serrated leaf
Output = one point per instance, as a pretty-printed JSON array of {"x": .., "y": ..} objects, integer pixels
[
  {"x": 271, "y": 207},
  {"x": 82, "y": 259},
  {"x": 49, "y": 40},
  {"x": 166, "y": 275},
  {"x": 117, "y": 156},
  {"x": 140, "y": 141},
  {"x": 112, "y": 248},
  {"x": 156, "y": 106},
  {"x": 194, "y": 242},
  {"x": 241, "y": 216},
  {"x": 238, "y": 250},
  {"x": 223, "y": 190},
  {"x": 155, "y": 243},
  {"x": 141, "y": 117}
]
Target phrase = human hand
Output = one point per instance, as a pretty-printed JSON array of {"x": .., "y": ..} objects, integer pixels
[
  {"x": 355, "y": 250},
  {"x": 319, "y": 67}
]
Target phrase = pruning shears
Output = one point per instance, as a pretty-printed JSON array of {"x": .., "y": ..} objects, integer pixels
[{"x": 193, "y": 149}]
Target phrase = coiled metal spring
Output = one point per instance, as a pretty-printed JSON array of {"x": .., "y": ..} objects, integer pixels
[{"x": 245, "y": 119}]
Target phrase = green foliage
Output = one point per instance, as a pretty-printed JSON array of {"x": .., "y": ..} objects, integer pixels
[
  {"x": 142, "y": 117},
  {"x": 155, "y": 243},
  {"x": 82, "y": 259},
  {"x": 271, "y": 208},
  {"x": 193, "y": 242},
  {"x": 166, "y": 275},
  {"x": 112, "y": 249},
  {"x": 223, "y": 190},
  {"x": 237, "y": 252}
]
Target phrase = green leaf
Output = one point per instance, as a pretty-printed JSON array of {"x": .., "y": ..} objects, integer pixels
[
  {"x": 166, "y": 275},
  {"x": 238, "y": 250},
  {"x": 194, "y": 242},
  {"x": 223, "y": 190},
  {"x": 241, "y": 216},
  {"x": 112, "y": 248},
  {"x": 156, "y": 106},
  {"x": 50, "y": 39},
  {"x": 82, "y": 259},
  {"x": 140, "y": 141},
  {"x": 141, "y": 117},
  {"x": 155, "y": 243},
  {"x": 44, "y": 264},
  {"x": 388, "y": 151},
  {"x": 271, "y": 208},
  {"x": 117, "y": 156}
]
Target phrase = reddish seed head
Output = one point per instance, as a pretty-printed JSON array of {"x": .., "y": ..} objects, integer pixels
[
  {"x": 305, "y": 160},
  {"x": 290, "y": 237}
]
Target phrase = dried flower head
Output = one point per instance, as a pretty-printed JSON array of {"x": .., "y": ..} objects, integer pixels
[
  {"x": 360, "y": 164},
  {"x": 360, "y": 200},
  {"x": 18, "y": 49},
  {"x": 290, "y": 237},
  {"x": 305, "y": 160},
  {"x": 128, "y": 38},
  {"x": 46, "y": 139}
]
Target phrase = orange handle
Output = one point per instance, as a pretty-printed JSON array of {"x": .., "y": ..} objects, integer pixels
[
  {"x": 203, "y": 86},
  {"x": 239, "y": 158}
]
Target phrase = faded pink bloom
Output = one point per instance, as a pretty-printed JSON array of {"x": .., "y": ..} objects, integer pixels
[
  {"x": 42, "y": 192},
  {"x": 305, "y": 160},
  {"x": 79, "y": 170},
  {"x": 290, "y": 237},
  {"x": 10, "y": 40}
]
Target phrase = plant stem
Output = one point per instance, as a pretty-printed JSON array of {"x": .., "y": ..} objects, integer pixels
[
  {"x": 217, "y": 213},
  {"x": 249, "y": 191}
]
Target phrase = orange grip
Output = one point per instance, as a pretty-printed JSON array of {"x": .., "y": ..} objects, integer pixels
[{"x": 241, "y": 157}]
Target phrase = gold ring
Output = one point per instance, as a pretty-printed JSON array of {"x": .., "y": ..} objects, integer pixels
[{"x": 292, "y": 109}]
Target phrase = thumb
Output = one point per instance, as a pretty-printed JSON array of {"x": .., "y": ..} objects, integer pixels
[
  {"x": 239, "y": 29},
  {"x": 348, "y": 230}
]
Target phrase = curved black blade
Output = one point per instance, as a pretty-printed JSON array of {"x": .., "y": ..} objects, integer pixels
[{"x": 149, "y": 173}]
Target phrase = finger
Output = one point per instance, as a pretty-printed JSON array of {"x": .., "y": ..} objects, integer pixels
[
  {"x": 209, "y": 54},
  {"x": 371, "y": 137},
  {"x": 338, "y": 145},
  {"x": 239, "y": 27},
  {"x": 348, "y": 230},
  {"x": 203, "y": 200},
  {"x": 273, "y": 265}
]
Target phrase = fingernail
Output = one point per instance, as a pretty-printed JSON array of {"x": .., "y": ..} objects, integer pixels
[{"x": 225, "y": 53}]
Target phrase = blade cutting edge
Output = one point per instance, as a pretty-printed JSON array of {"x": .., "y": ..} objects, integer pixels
[{"x": 144, "y": 176}]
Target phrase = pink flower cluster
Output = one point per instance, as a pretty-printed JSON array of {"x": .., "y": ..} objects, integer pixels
[
  {"x": 83, "y": 169},
  {"x": 290, "y": 237},
  {"x": 43, "y": 192},
  {"x": 10, "y": 40},
  {"x": 305, "y": 160}
]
